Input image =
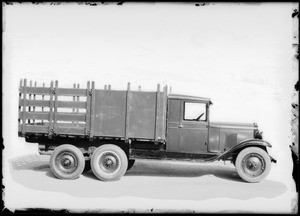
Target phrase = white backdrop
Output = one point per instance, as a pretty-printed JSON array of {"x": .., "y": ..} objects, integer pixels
[{"x": 239, "y": 55}]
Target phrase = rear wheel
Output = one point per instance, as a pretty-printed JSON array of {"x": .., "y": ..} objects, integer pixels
[
  {"x": 253, "y": 164},
  {"x": 67, "y": 162},
  {"x": 109, "y": 162}
]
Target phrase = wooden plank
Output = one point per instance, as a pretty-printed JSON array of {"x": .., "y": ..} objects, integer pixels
[
  {"x": 88, "y": 109},
  {"x": 51, "y": 126},
  {"x": 43, "y": 98},
  {"x": 35, "y": 90},
  {"x": 24, "y": 102},
  {"x": 160, "y": 125},
  {"x": 92, "y": 111},
  {"x": 36, "y": 103},
  {"x": 20, "y": 128},
  {"x": 74, "y": 87},
  {"x": 70, "y": 116},
  {"x": 69, "y": 124},
  {"x": 20, "y": 105},
  {"x": 34, "y": 115},
  {"x": 156, "y": 112},
  {"x": 29, "y": 107},
  {"x": 127, "y": 115},
  {"x": 165, "y": 101},
  {"x": 71, "y": 92},
  {"x": 55, "y": 101},
  {"x": 34, "y": 100},
  {"x": 72, "y": 104},
  {"x": 70, "y": 130},
  {"x": 77, "y": 110},
  {"x": 35, "y": 128}
]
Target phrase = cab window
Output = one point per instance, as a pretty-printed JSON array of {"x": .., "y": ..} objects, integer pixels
[{"x": 194, "y": 111}]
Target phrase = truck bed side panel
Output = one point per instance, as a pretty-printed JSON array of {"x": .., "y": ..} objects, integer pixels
[
  {"x": 142, "y": 114},
  {"x": 145, "y": 114},
  {"x": 109, "y": 118}
]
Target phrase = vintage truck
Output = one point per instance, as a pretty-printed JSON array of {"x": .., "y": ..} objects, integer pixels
[{"x": 107, "y": 130}]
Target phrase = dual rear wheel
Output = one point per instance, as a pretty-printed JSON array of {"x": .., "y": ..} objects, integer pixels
[{"x": 108, "y": 162}]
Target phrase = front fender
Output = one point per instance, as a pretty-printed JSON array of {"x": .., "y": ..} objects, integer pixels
[{"x": 242, "y": 145}]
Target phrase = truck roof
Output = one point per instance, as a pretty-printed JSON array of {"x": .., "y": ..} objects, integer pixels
[{"x": 189, "y": 97}]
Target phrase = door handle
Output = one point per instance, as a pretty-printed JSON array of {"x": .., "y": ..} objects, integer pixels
[{"x": 180, "y": 126}]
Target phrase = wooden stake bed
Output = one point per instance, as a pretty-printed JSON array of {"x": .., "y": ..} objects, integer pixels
[{"x": 92, "y": 113}]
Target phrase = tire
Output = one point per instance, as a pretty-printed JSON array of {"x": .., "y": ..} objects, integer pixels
[
  {"x": 67, "y": 162},
  {"x": 253, "y": 164},
  {"x": 109, "y": 162},
  {"x": 130, "y": 164}
]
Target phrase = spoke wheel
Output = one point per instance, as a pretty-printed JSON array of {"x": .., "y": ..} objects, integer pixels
[
  {"x": 67, "y": 162},
  {"x": 109, "y": 162},
  {"x": 253, "y": 164}
]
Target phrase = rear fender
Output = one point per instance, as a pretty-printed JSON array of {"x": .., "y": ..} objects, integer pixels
[{"x": 244, "y": 144}]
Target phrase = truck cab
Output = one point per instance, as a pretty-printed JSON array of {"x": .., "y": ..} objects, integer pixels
[
  {"x": 188, "y": 124},
  {"x": 189, "y": 129}
]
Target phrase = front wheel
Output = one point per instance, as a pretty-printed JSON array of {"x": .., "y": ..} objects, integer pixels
[
  {"x": 109, "y": 162},
  {"x": 67, "y": 162},
  {"x": 253, "y": 164}
]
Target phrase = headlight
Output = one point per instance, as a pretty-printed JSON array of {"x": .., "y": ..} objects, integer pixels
[{"x": 258, "y": 134}]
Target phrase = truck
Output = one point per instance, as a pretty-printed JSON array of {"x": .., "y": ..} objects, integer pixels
[{"x": 106, "y": 130}]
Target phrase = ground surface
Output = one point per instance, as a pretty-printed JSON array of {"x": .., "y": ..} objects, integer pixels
[{"x": 150, "y": 186}]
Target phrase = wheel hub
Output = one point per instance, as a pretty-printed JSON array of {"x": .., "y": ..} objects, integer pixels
[
  {"x": 109, "y": 162},
  {"x": 253, "y": 165},
  {"x": 66, "y": 162}
]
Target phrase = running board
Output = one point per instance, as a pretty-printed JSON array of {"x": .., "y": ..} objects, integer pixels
[{"x": 163, "y": 155}]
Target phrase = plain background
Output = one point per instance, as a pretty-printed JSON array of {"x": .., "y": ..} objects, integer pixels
[{"x": 239, "y": 55}]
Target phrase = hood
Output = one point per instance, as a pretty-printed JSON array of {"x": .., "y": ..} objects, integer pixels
[{"x": 234, "y": 125}]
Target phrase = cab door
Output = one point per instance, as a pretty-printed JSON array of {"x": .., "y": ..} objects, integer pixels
[
  {"x": 187, "y": 126},
  {"x": 193, "y": 127}
]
